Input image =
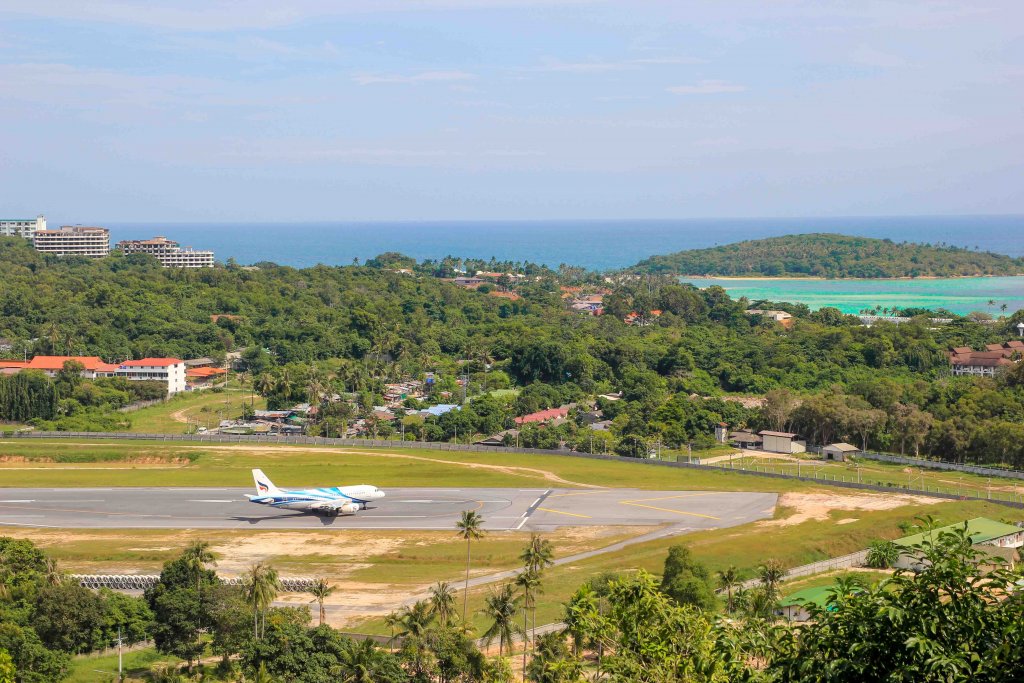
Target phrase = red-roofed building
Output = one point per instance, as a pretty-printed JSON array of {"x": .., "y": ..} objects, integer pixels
[
  {"x": 543, "y": 416},
  {"x": 169, "y": 370},
  {"x": 93, "y": 366},
  {"x": 965, "y": 361},
  {"x": 201, "y": 377}
]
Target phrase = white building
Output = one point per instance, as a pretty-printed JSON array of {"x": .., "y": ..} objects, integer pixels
[
  {"x": 73, "y": 240},
  {"x": 169, "y": 370},
  {"x": 781, "y": 442},
  {"x": 21, "y": 227},
  {"x": 168, "y": 252}
]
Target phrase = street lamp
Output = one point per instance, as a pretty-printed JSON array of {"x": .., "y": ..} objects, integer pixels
[{"x": 1020, "y": 328}]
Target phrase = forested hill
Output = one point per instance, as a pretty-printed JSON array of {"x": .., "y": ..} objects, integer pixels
[{"x": 833, "y": 256}]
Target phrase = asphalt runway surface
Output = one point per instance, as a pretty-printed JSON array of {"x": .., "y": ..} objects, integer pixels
[{"x": 403, "y": 508}]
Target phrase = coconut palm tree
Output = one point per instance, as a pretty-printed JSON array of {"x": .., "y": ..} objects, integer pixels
[
  {"x": 414, "y": 620},
  {"x": 265, "y": 384},
  {"x": 359, "y": 662},
  {"x": 501, "y": 607},
  {"x": 321, "y": 590},
  {"x": 771, "y": 574},
  {"x": 196, "y": 556},
  {"x": 392, "y": 620},
  {"x": 538, "y": 554},
  {"x": 728, "y": 579},
  {"x": 470, "y": 527},
  {"x": 528, "y": 581},
  {"x": 442, "y": 602},
  {"x": 261, "y": 587}
]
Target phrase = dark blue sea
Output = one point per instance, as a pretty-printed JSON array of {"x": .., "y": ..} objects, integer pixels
[{"x": 593, "y": 244}]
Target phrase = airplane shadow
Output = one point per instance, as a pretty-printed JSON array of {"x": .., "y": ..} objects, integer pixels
[{"x": 324, "y": 519}]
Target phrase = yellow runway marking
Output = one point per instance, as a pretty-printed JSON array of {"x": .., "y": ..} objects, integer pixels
[
  {"x": 559, "y": 512},
  {"x": 678, "y": 512},
  {"x": 681, "y": 495}
]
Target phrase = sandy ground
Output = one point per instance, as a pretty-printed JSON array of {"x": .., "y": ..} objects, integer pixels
[
  {"x": 752, "y": 454},
  {"x": 817, "y": 506}
]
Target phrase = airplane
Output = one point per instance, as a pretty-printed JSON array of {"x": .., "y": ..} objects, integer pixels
[{"x": 334, "y": 501}]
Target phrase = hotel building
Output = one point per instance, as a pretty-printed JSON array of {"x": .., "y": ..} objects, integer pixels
[
  {"x": 21, "y": 227},
  {"x": 73, "y": 240},
  {"x": 168, "y": 252}
]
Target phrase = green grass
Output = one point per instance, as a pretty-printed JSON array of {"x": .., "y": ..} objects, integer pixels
[
  {"x": 137, "y": 663},
  {"x": 206, "y": 407},
  {"x": 888, "y": 474},
  {"x": 224, "y": 465}
]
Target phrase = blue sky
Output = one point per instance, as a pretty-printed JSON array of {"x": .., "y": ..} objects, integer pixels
[{"x": 470, "y": 109}]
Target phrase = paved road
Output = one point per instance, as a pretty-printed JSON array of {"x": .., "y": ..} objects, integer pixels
[{"x": 403, "y": 508}]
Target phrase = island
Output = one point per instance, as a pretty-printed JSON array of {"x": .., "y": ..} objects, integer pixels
[{"x": 831, "y": 256}]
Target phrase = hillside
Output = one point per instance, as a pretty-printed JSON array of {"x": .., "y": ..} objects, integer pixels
[{"x": 833, "y": 256}]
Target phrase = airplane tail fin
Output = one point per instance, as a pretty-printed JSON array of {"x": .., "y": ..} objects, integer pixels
[{"x": 264, "y": 486}]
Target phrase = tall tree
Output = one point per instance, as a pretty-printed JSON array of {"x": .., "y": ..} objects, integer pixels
[
  {"x": 501, "y": 607},
  {"x": 321, "y": 590},
  {"x": 470, "y": 528}
]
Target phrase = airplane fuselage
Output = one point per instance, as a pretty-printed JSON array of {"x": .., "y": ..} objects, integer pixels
[{"x": 337, "y": 500}]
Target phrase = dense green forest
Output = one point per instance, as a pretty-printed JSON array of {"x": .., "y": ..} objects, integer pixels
[
  {"x": 831, "y": 256},
  {"x": 958, "y": 617},
  {"x": 310, "y": 334}
]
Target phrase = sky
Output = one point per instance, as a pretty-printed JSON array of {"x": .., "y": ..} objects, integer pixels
[{"x": 201, "y": 110}]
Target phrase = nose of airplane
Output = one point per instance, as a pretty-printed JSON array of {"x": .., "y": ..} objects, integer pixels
[{"x": 380, "y": 494}]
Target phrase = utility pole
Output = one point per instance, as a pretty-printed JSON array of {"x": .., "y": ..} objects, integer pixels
[{"x": 120, "y": 669}]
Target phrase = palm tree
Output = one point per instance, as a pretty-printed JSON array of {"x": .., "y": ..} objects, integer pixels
[
  {"x": 261, "y": 587},
  {"x": 414, "y": 620},
  {"x": 728, "y": 579},
  {"x": 392, "y": 620},
  {"x": 529, "y": 582},
  {"x": 359, "y": 662},
  {"x": 442, "y": 602},
  {"x": 266, "y": 384},
  {"x": 321, "y": 590},
  {"x": 771, "y": 574},
  {"x": 844, "y": 587},
  {"x": 470, "y": 527},
  {"x": 538, "y": 554},
  {"x": 501, "y": 608},
  {"x": 286, "y": 383},
  {"x": 196, "y": 556},
  {"x": 262, "y": 675}
]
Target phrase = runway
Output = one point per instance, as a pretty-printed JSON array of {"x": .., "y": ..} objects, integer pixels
[{"x": 532, "y": 509}]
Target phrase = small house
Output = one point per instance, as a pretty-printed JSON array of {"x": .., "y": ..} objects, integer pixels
[
  {"x": 721, "y": 432},
  {"x": 838, "y": 451},
  {"x": 745, "y": 439}
]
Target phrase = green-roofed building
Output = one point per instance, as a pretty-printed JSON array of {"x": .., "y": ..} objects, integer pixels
[
  {"x": 794, "y": 606},
  {"x": 981, "y": 530}
]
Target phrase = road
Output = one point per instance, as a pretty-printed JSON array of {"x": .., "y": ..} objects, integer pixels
[{"x": 533, "y": 509}]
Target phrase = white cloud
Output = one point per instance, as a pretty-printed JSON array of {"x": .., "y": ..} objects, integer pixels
[
  {"x": 422, "y": 77},
  {"x": 706, "y": 88}
]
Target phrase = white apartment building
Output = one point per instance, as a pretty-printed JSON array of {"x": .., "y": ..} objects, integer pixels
[
  {"x": 22, "y": 227},
  {"x": 169, "y": 370},
  {"x": 169, "y": 252},
  {"x": 73, "y": 240}
]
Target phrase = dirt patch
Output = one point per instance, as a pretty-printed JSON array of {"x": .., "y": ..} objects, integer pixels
[
  {"x": 818, "y": 506},
  {"x": 238, "y": 554},
  {"x": 848, "y": 520}
]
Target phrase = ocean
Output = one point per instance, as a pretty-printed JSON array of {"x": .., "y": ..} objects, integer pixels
[
  {"x": 592, "y": 244},
  {"x": 612, "y": 244}
]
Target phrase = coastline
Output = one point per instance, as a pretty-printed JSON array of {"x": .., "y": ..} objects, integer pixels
[{"x": 812, "y": 278}]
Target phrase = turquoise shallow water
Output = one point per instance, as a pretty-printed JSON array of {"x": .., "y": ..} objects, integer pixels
[{"x": 959, "y": 295}]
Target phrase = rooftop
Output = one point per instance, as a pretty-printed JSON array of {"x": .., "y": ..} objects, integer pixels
[
  {"x": 151, "y": 362},
  {"x": 980, "y": 529}
]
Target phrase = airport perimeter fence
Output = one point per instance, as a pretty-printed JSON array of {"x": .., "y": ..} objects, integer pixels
[
  {"x": 942, "y": 465},
  {"x": 857, "y": 559},
  {"x": 1009, "y": 498},
  {"x": 142, "y": 582}
]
